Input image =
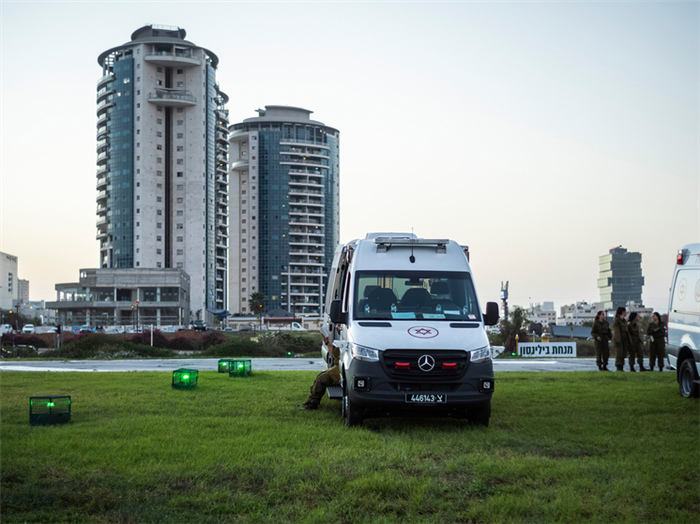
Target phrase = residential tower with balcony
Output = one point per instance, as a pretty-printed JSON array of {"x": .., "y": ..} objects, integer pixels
[
  {"x": 284, "y": 209},
  {"x": 162, "y": 161}
]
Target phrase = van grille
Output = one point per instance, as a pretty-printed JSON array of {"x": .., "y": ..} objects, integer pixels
[{"x": 403, "y": 364}]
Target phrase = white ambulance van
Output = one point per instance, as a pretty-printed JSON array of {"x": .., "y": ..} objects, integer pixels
[
  {"x": 683, "y": 323},
  {"x": 405, "y": 314}
]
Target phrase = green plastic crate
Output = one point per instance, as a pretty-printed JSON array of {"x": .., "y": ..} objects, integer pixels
[
  {"x": 51, "y": 409},
  {"x": 185, "y": 378},
  {"x": 240, "y": 368},
  {"x": 225, "y": 365}
]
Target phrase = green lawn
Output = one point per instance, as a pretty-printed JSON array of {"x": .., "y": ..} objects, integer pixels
[{"x": 561, "y": 447}]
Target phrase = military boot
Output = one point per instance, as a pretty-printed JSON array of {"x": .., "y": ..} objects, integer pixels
[
  {"x": 642, "y": 368},
  {"x": 619, "y": 368},
  {"x": 632, "y": 369}
]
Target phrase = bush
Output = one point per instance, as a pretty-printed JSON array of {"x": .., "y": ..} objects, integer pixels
[
  {"x": 184, "y": 344},
  {"x": 279, "y": 342},
  {"x": 239, "y": 347},
  {"x": 213, "y": 338},
  {"x": 106, "y": 346},
  {"x": 26, "y": 340},
  {"x": 159, "y": 340}
]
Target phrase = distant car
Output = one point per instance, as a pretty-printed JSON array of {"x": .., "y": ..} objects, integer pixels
[
  {"x": 85, "y": 330},
  {"x": 199, "y": 325},
  {"x": 5, "y": 329},
  {"x": 28, "y": 329},
  {"x": 228, "y": 330}
]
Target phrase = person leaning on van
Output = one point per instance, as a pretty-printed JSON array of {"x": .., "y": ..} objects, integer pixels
[
  {"x": 323, "y": 379},
  {"x": 621, "y": 338},
  {"x": 636, "y": 346},
  {"x": 601, "y": 335},
  {"x": 657, "y": 341}
]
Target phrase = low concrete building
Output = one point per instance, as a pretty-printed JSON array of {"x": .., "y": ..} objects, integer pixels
[
  {"x": 9, "y": 283},
  {"x": 125, "y": 297}
]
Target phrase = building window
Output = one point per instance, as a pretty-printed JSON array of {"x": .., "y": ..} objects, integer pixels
[
  {"x": 159, "y": 134},
  {"x": 180, "y": 84},
  {"x": 159, "y": 160},
  {"x": 180, "y": 174},
  {"x": 159, "y": 251},
  {"x": 159, "y": 173},
  {"x": 180, "y": 187},
  {"x": 180, "y": 71},
  {"x": 180, "y": 122},
  {"x": 180, "y": 109},
  {"x": 159, "y": 199},
  {"x": 158, "y": 264},
  {"x": 159, "y": 147},
  {"x": 180, "y": 161},
  {"x": 159, "y": 225},
  {"x": 159, "y": 211},
  {"x": 179, "y": 213},
  {"x": 180, "y": 251},
  {"x": 158, "y": 239},
  {"x": 180, "y": 226},
  {"x": 180, "y": 265},
  {"x": 180, "y": 148},
  {"x": 180, "y": 135}
]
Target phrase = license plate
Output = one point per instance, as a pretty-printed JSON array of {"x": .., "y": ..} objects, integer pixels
[{"x": 419, "y": 398}]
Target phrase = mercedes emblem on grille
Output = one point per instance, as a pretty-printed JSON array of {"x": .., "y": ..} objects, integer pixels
[{"x": 426, "y": 363}]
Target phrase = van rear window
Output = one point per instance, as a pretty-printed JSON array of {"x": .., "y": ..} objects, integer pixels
[{"x": 408, "y": 295}]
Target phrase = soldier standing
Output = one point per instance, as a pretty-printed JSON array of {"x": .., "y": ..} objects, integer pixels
[
  {"x": 601, "y": 335},
  {"x": 621, "y": 338},
  {"x": 635, "y": 343},
  {"x": 657, "y": 342}
]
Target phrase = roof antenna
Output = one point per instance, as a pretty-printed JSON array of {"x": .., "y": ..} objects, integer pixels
[{"x": 412, "y": 259}]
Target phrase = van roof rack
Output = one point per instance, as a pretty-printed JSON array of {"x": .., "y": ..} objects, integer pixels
[{"x": 384, "y": 243}]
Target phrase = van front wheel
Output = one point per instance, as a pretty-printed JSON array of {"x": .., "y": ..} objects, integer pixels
[
  {"x": 480, "y": 416},
  {"x": 686, "y": 380},
  {"x": 352, "y": 413}
]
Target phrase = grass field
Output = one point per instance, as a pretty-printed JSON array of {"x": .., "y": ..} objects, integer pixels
[{"x": 561, "y": 447}]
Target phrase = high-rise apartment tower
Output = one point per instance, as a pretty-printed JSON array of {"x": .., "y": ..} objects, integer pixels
[
  {"x": 162, "y": 146},
  {"x": 284, "y": 210},
  {"x": 620, "y": 281}
]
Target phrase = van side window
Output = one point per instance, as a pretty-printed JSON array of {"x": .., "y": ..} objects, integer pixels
[{"x": 685, "y": 291}]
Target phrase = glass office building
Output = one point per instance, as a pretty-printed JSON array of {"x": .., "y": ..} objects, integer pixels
[
  {"x": 284, "y": 210},
  {"x": 620, "y": 280},
  {"x": 162, "y": 161}
]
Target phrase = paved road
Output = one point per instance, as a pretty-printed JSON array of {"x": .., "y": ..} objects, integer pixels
[{"x": 270, "y": 364}]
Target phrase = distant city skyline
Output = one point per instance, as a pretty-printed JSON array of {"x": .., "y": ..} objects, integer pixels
[{"x": 539, "y": 134}]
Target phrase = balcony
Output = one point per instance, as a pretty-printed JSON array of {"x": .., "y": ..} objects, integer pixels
[
  {"x": 101, "y": 210},
  {"x": 172, "y": 98},
  {"x": 103, "y": 106},
  {"x": 296, "y": 142},
  {"x": 102, "y": 120},
  {"x": 102, "y": 133},
  {"x": 102, "y": 158},
  {"x": 102, "y": 170},
  {"x": 103, "y": 93},
  {"x": 101, "y": 221},
  {"x": 171, "y": 59},
  {"x": 101, "y": 235},
  {"x": 102, "y": 195},
  {"x": 101, "y": 183},
  {"x": 109, "y": 77},
  {"x": 239, "y": 165},
  {"x": 303, "y": 162}
]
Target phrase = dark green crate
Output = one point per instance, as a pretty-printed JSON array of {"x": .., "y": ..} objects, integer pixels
[
  {"x": 51, "y": 409},
  {"x": 225, "y": 365},
  {"x": 185, "y": 378},
  {"x": 240, "y": 368},
  {"x": 289, "y": 353}
]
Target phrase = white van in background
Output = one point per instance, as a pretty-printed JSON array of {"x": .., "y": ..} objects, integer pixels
[
  {"x": 683, "y": 323},
  {"x": 405, "y": 315}
]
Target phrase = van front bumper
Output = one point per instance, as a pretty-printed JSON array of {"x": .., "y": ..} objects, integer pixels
[{"x": 368, "y": 386}]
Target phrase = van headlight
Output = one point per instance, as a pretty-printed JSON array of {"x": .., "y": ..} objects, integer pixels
[
  {"x": 363, "y": 353},
  {"x": 480, "y": 355}
]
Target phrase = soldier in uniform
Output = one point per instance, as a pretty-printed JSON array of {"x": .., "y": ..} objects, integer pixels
[
  {"x": 657, "y": 342},
  {"x": 621, "y": 338},
  {"x": 635, "y": 343},
  {"x": 601, "y": 335},
  {"x": 323, "y": 379}
]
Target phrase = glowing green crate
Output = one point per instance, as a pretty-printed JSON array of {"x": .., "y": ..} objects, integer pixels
[
  {"x": 225, "y": 365},
  {"x": 289, "y": 353},
  {"x": 185, "y": 378},
  {"x": 51, "y": 409},
  {"x": 240, "y": 368}
]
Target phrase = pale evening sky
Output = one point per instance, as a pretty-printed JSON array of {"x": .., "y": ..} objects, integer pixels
[{"x": 540, "y": 134}]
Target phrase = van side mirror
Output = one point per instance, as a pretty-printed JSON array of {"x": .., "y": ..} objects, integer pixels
[
  {"x": 491, "y": 316},
  {"x": 337, "y": 316}
]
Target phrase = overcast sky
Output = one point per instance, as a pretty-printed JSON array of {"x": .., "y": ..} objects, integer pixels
[{"x": 540, "y": 134}]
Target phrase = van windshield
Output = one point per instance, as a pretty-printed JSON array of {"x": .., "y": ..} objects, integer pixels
[{"x": 408, "y": 295}]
